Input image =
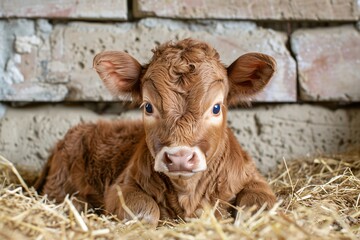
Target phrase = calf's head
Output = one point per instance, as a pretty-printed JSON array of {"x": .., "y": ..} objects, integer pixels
[{"x": 184, "y": 92}]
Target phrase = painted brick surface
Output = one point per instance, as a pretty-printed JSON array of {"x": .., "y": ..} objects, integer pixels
[
  {"x": 70, "y": 9},
  {"x": 268, "y": 133},
  {"x": 24, "y": 54},
  {"x": 57, "y": 60},
  {"x": 328, "y": 63},
  {"x": 250, "y": 9}
]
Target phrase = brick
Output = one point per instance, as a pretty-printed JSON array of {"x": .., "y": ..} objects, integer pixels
[
  {"x": 269, "y": 133},
  {"x": 35, "y": 92},
  {"x": 61, "y": 63},
  {"x": 231, "y": 39},
  {"x": 9, "y": 30},
  {"x": 340, "y": 10},
  {"x": 2, "y": 110},
  {"x": 71, "y": 9},
  {"x": 28, "y": 135},
  {"x": 22, "y": 66},
  {"x": 287, "y": 131},
  {"x": 328, "y": 63}
]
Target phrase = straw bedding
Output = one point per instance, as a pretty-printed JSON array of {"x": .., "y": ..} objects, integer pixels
[{"x": 319, "y": 198}]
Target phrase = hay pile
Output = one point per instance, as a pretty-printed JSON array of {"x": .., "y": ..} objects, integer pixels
[{"x": 319, "y": 198}]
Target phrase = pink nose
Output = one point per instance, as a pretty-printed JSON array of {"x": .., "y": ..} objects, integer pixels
[{"x": 182, "y": 160}]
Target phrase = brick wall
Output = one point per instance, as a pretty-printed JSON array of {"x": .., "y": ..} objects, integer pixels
[{"x": 47, "y": 47}]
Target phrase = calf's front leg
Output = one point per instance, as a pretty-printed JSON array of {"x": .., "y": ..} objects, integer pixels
[
  {"x": 256, "y": 193},
  {"x": 136, "y": 200}
]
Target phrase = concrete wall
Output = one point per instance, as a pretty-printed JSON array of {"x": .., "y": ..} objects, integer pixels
[{"x": 47, "y": 84}]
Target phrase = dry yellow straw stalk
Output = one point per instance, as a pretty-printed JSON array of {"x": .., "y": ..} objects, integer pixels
[{"x": 319, "y": 198}]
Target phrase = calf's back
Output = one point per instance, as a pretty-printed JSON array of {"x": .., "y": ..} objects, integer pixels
[{"x": 88, "y": 159}]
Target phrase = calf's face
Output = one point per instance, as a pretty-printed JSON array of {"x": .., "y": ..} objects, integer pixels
[
  {"x": 183, "y": 99},
  {"x": 184, "y": 92}
]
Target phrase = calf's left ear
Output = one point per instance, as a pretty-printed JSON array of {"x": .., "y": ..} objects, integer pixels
[{"x": 248, "y": 75}]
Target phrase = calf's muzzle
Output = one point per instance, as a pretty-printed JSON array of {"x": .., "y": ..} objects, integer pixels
[{"x": 181, "y": 160}]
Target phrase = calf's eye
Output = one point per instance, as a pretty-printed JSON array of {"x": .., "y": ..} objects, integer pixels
[
  {"x": 216, "y": 109},
  {"x": 149, "y": 108}
]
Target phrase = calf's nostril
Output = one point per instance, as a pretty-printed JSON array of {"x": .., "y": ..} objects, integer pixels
[
  {"x": 192, "y": 160},
  {"x": 167, "y": 159}
]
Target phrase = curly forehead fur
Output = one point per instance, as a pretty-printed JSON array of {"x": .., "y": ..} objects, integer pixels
[
  {"x": 188, "y": 49},
  {"x": 180, "y": 71}
]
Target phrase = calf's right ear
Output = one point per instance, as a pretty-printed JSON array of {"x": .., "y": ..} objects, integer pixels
[{"x": 120, "y": 73}]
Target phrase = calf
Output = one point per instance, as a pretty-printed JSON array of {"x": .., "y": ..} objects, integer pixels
[{"x": 181, "y": 156}]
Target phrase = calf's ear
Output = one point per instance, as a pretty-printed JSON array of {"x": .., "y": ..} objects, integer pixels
[
  {"x": 248, "y": 75},
  {"x": 120, "y": 73}
]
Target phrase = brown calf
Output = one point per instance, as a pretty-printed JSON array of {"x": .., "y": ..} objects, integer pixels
[{"x": 182, "y": 156}]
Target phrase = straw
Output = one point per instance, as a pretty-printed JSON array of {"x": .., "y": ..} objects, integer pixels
[{"x": 318, "y": 198}]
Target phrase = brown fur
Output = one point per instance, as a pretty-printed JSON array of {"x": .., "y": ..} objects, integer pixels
[{"x": 182, "y": 81}]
